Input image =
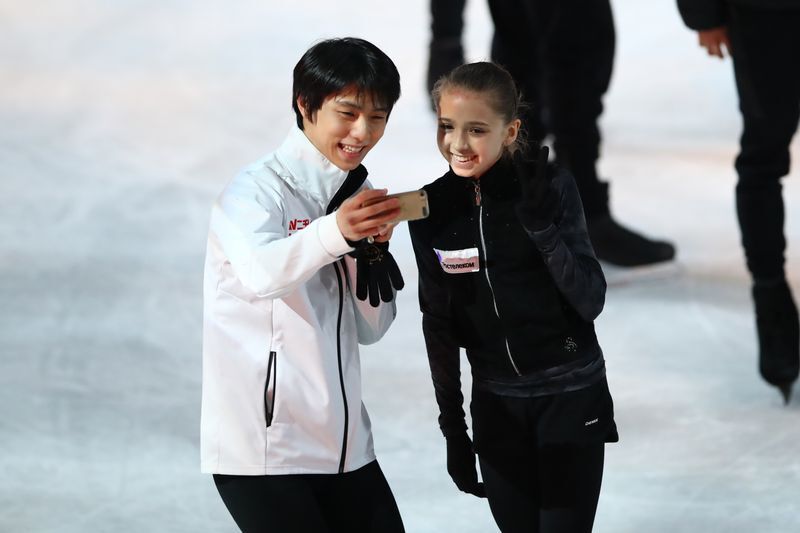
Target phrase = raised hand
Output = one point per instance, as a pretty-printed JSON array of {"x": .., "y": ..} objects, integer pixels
[
  {"x": 538, "y": 204},
  {"x": 357, "y": 221}
]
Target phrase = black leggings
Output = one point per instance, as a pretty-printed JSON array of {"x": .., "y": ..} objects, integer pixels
[
  {"x": 353, "y": 502},
  {"x": 553, "y": 489}
]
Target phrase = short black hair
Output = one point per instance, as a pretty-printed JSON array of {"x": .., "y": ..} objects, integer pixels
[{"x": 332, "y": 65}]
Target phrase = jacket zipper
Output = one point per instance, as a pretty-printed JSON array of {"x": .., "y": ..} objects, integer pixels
[
  {"x": 272, "y": 375},
  {"x": 341, "y": 373},
  {"x": 477, "y": 186}
]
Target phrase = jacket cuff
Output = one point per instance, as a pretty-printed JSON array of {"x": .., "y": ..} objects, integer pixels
[
  {"x": 331, "y": 237},
  {"x": 703, "y": 15}
]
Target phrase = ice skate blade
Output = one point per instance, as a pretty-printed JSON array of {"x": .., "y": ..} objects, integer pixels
[{"x": 786, "y": 392}]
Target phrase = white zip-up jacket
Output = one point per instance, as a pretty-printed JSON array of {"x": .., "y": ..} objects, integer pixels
[{"x": 281, "y": 326}]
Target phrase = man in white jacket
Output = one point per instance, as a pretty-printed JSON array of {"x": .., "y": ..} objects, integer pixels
[{"x": 283, "y": 428}]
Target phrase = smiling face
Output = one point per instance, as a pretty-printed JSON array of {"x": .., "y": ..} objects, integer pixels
[
  {"x": 346, "y": 127},
  {"x": 471, "y": 135}
]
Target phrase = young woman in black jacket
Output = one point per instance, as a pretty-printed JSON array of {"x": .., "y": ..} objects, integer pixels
[{"x": 507, "y": 272}]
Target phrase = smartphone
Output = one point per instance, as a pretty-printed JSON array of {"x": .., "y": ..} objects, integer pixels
[{"x": 413, "y": 205}]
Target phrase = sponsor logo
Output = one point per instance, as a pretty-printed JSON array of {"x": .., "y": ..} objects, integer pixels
[
  {"x": 590, "y": 422},
  {"x": 458, "y": 261},
  {"x": 297, "y": 224},
  {"x": 458, "y": 266}
]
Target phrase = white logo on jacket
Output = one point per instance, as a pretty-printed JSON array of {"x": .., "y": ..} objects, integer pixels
[{"x": 458, "y": 261}]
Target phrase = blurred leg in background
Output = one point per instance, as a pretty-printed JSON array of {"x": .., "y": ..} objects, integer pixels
[
  {"x": 445, "y": 51},
  {"x": 561, "y": 53},
  {"x": 765, "y": 46}
]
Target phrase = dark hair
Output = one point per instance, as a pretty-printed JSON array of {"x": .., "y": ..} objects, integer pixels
[
  {"x": 331, "y": 66},
  {"x": 491, "y": 80}
]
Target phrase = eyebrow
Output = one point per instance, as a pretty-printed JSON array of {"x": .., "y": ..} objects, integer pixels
[
  {"x": 355, "y": 105},
  {"x": 473, "y": 123}
]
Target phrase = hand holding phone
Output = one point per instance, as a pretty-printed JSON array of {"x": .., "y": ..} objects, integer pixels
[{"x": 413, "y": 205}]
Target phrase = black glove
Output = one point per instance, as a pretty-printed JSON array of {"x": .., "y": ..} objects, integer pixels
[
  {"x": 376, "y": 272},
  {"x": 461, "y": 465},
  {"x": 538, "y": 205}
]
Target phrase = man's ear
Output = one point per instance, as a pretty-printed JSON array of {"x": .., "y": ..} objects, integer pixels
[{"x": 302, "y": 109}]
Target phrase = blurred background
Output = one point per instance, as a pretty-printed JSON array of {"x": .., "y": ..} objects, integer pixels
[{"x": 121, "y": 121}]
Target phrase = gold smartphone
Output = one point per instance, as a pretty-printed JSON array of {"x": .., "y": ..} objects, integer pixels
[{"x": 413, "y": 205}]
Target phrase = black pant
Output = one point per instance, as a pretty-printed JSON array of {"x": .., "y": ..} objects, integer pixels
[
  {"x": 447, "y": 19},
  {"x": 353, "y": 502},
  {"x": 561, "y": 54},
  {"x": 766, "y": 58},
  {"x": 542, "y": 458},
  {"x": 553, "y": 489}
]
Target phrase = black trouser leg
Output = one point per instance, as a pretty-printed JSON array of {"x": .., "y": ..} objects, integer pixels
[
  {"x": 267, "y": 504},
  {"x": 361, "y": 502},
  {"x": 516, "y": 44},
  {"x": 561, "y": 53},
  {"x": 445, "y": 51},
  {"x": 579, "y": 57},
  {"x": 553, "y": 489},
  {"x": 447, "y": 19},
  {"x": 355, "y": 502},
  {"x": 766, "y": 58}
]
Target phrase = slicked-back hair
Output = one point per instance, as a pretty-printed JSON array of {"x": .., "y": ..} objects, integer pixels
[
  {"x": 494, "y": 83},
  {"x": 334, "y": 65}
]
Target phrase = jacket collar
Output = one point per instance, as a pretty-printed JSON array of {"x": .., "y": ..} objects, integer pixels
[
  {"x": 309, "y": 170},
  {"x": 499, "y": 182}
]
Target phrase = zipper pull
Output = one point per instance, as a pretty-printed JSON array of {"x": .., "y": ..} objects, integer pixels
[{"x": 477, "y": 185}]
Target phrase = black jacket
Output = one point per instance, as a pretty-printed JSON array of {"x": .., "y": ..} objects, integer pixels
[
  {"x": 707, "y": 14},
  {"x": 522, "y": 305}
]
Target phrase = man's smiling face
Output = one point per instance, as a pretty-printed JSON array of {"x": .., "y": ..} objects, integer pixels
[{"x": 345, "y": 127}]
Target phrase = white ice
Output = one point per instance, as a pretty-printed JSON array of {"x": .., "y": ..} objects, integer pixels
[{"x": 120, "y": 122}]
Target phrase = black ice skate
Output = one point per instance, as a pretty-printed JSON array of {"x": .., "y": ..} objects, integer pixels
[
  {"x": 620, "y": 246},
  {"x": 778, "y": 335}
]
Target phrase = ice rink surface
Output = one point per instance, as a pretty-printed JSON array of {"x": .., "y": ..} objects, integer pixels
[{"x": 121, "y": 121}]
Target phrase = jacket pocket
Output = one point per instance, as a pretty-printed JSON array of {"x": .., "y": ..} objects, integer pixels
[{"x": 270, "y": 388}]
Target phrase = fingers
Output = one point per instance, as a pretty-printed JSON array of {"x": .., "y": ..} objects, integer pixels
[
  {"x": 362, "y": 276},
  {"x": 374, "y": 290},
  {"x": 714, "y": 40},
  {"x": 385, "y": 286},
  {"x": 358, "y": 218},
  {"x": 714, "y": 49},
  {"x": 394, "y": 272},
  {"x": 369, "y": 204},
  {"x": 385, "y": 233}
]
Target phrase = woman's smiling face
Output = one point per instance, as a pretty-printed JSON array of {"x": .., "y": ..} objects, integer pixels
[{"x": 471, "y": 135}]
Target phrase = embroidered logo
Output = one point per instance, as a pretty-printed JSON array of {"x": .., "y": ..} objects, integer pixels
[
  {"x": 590, "y": 422},
  {"x": 297, "y": 224},
  {"x": 458, "y": 261},
  {"x": 570, "y": 345}
]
